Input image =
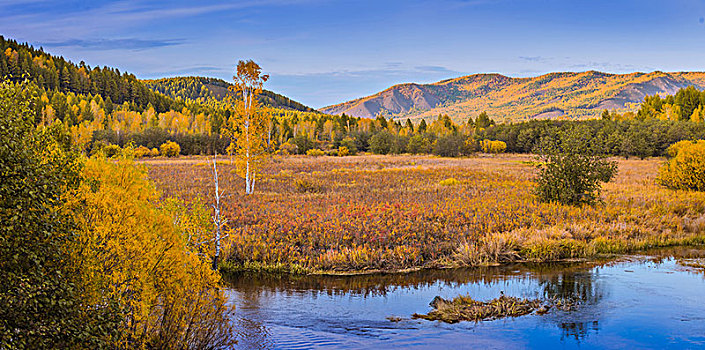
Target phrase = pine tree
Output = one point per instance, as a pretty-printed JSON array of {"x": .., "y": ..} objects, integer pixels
[{"x": 422, "y": 126}]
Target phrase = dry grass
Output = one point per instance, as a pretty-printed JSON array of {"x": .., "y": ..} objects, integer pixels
[
  {"x": 391, "y": 212},
  {"x": 465, "y": 308}
]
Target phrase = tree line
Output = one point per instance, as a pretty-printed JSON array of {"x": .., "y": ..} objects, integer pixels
[
  {"x": 102, "y": 106},
  {"x": 204, "y": 90}
]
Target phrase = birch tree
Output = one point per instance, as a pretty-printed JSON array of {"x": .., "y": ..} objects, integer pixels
[
  {"x": 249, "y": 124},
  {"x": 218, "y": 221}
]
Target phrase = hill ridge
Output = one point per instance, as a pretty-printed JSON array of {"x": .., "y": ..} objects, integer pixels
[
  {"x": 202, "y": 89},
  {"x": 576, "y": 95}
]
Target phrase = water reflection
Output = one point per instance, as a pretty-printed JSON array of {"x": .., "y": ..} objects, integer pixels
[
  {"x": 350, "y": 311},
  {"x": 578, "y": 330},
  {"x": 381, "y": 284}
]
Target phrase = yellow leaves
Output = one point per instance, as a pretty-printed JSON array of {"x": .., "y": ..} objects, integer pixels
[
  {"x": 131, "y": 252},
  {"x": 343, "y": 151},
  {"x": 170, "y": 149},
  {"x": 686, "y": 169},
  {"x": 81, "y": 135},
  {"x": 248, "y": 125},
  {"x": 490, "y": 146},
  {"x": 449, "y": 182},
  {"x": 12, "y": 55},
  {"x": 698, "y": 114},
  {"x": 670, "y": 112}
]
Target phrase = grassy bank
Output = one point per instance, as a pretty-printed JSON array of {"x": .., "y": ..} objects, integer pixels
[{"x": 386, "y": 213}]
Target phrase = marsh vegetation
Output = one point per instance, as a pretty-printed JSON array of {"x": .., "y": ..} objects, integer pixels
[{"x": 367, "y": 213}]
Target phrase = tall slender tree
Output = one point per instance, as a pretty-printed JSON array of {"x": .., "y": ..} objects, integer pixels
[{"x": 250, "y": 124}]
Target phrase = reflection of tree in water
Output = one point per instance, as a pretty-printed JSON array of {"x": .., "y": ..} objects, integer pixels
[
  {"x": 382, "y": 284},
  {"x": 581, "y": 288},
  {"x": 578, "y": 330},
  {"x": 574, "y": 286}
]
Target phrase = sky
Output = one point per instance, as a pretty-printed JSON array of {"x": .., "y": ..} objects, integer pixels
[{"x": 322, "y": 52}]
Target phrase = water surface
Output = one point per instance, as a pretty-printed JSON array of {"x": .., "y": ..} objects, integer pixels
[{"x": 642, "y": 301}]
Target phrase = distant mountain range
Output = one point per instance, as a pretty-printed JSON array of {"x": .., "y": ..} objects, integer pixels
[
  {"x": 555, "y": 95},
  {"x": 202, "y": 89}
]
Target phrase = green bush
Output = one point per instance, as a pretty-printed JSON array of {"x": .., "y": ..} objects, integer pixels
[
  {"x": 349, "y": 143},
  {"x": 449, "y": 146},
  {"x": 381, "y": 142},
  {"x": 418, "y": 144},
  {"x": 170, "y": 149},
  {"x": 572, "y": 172},
  {"x": 303, "y": 144},
  {"x": 112, "y": 151},
  {"x": 686, "y": 170},
  {"x": 40, "y": 301}
]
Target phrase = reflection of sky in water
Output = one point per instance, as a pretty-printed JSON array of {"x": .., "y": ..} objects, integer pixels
[{"x": 634, "y": 304}]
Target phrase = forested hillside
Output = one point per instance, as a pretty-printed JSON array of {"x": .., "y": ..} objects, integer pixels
[
  {"x": 564, "y": 95},
  {"x": 202, "y": 89},
  {"x": 103, "y": 106},
  {"x": 21, "y": 61}
]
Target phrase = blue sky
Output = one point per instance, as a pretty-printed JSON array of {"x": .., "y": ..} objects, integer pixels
[{"x": 322, "y": 52}]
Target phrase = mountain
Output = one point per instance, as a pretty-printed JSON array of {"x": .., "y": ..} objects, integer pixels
[
  {"x": 202, "y": 89},
  {"x": 569, "y": 95}
]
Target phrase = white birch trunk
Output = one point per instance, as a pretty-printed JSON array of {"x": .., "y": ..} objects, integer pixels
[{"x": 216, "y": 215}]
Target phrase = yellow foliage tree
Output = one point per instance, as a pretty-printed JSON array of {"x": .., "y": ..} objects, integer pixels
[
  {"x": 492, "y": 146},
  {"x": 134, "y": 256},
  {"x": 670, "y": 112},
  {"x": 249, "y": 124},
  {"x": 81, "y": 135},
  {"x": 698, "y": 114}
]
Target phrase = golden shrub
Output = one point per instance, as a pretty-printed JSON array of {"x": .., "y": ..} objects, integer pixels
[
  {"x": 141, "y": 152},
  {"x": 686, "y": 169},
  {"x": 170, "y": 149},
  {"x": 451, "y": 181},
  {"x": 673, "y": 149},
  {"x": 493, "y": 146},
  {"x": 315, "y": 152}
]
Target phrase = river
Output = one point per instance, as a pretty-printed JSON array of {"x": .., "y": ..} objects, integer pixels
[{"x": 636, "y": 301}]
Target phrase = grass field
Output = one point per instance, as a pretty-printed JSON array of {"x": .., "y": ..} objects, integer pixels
[{"x": 367, "y": 213}]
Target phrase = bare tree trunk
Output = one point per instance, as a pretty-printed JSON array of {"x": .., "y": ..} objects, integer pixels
[
  {"x": 216, "y": 215},
  {"x": 269, "y": 136},
  {"x": 247, "y": 172},
  {"x": 247, "y": 100}
]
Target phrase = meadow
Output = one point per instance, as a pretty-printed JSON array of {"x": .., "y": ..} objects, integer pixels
[{"x": 383, "y": 213}]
